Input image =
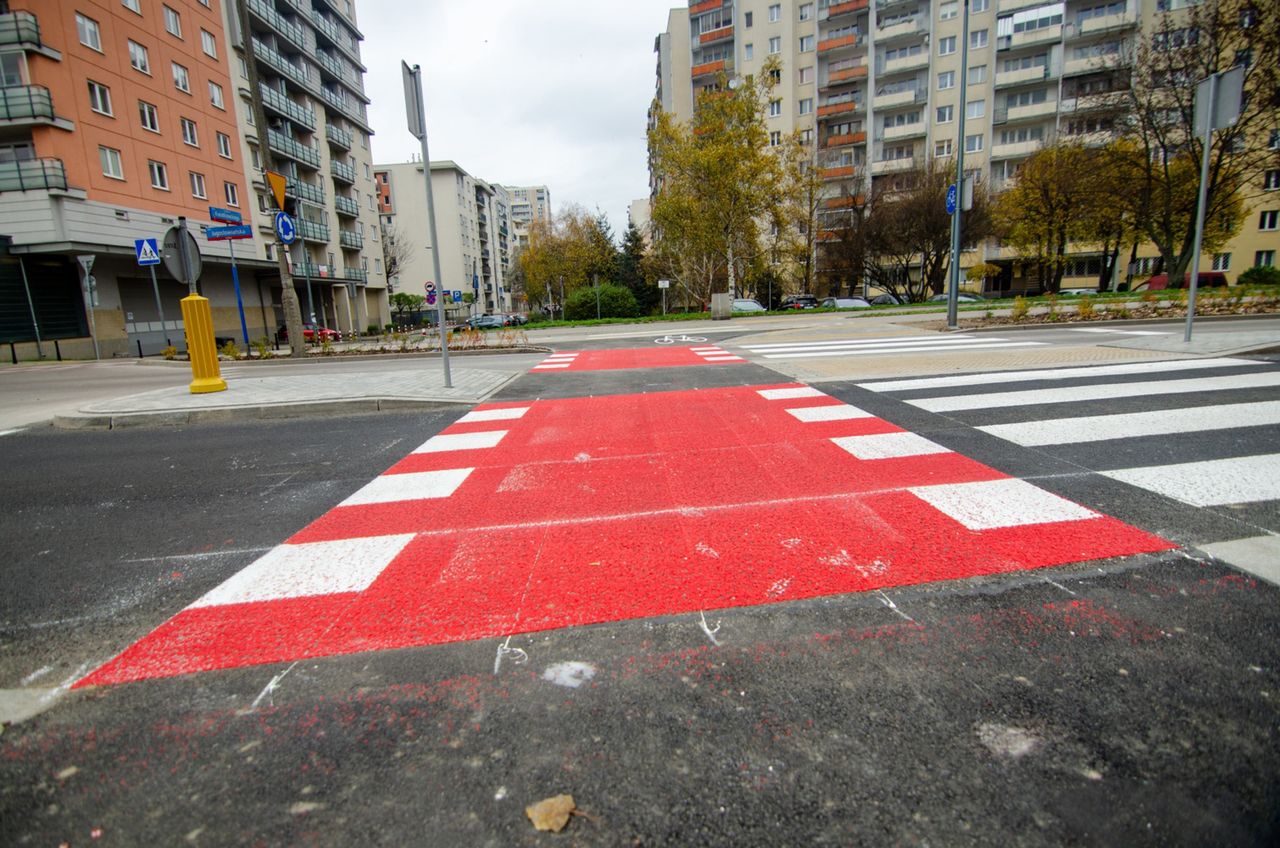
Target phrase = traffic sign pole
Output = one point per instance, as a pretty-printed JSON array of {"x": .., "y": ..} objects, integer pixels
[
  {"x": 155, "y": 287},
  {"x": 235, "y": 280}
]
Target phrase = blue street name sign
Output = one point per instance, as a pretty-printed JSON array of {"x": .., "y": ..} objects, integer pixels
[
  {"x": 148, "y": 251},
  {"x": 223, "y": 233},
  {"x": 226, "y": 216}
]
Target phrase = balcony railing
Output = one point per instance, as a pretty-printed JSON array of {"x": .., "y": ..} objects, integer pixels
[
  {"x": 338, "y": 137},
  {"x": 845, "y": 75},
  {"x": 285, "y": 107},
  {"x": 288, "y": 147},
  {"x": 346, "y": 206},
  {"x": 294, "y": 32},
  {"x": 357, "y": 274},
  {"x": 25, "y": 103},
  {"x": 342, "y": 171},
  {"x": 305, "y": 191},
  {"x": 311, "y": 231},
  {"x": 706, "y": 69},
  {"x": 337, "y": 34},
  {"x": 846, "y": 139},
  {"x": 835, "y": 10},
  {"x": 351, "y": 239},
  {"x": 20, "y": 28},
  {"x": 33, "y": 175},
  {"x": 705, "y": 6},
  {"x": 332, "y": 64},
  {"x": 722, "y": 34},
  {"x": 301, "y": 75},
  {"x": 840, "y": 42},
  {"x": 842, "y": 107}
]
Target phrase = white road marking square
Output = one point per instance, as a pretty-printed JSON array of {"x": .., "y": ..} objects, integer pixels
[
  {"x": 493, "y": 414},
  {"x": 552, "y": 366},
  {"x": 704, "y": 349},
  {"x": 556, "y": 357},
  {"x": 1000, "y": 503},
  {"x": 889, "y": 445},
  {"x": 420, "y": 485},
  {"x": 1216, "y": 482},
  {"x": 788, "y": 394},
  {"x": 314, "y": 568},
  {"x": 461, "y": 441},
  {"x": 724, "y": 359},
  {"x": 834, "y": 412}
]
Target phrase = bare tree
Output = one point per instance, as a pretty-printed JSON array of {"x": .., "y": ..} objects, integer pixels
[{"x": 396, "y": 250}]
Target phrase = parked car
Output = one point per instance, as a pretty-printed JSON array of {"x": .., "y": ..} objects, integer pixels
[
  {"x": 1208, "y": 279},
  {"x": 885, "y": 300},
  {"x": 845, "y": 303},
  {"x": 309, "y": 332},
  {"x": 515, "y": 319},
  {"x": 1077, "y": 292},
  {"x": 486, "y": 322},
  {"x": 746, "y": 304},
  {"x": 799, "y": 301},
  {"x": 962, "y": 297}
]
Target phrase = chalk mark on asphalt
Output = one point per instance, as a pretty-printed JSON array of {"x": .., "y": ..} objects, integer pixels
[
  {"x": 711, "y": 634},
  {"x": 1057, "y": 585},
  {"x": 888, "y": 602},
  {"x": 269, "y": 690},
  {"x": 275, "y": 486},
  {"x": 518, "y": 655},
  {"x": 204, "y": 555}
]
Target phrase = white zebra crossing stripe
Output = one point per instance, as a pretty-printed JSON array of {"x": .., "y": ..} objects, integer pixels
[
  {"x": 834, "y": 412},
  {"x": 461, "y": 441},
  {"x": 1214, "y": 482},
  {"x": 782, "y": 347},
  {"x": 788, "y": 394},
  {"x": 889, "y": 446},
  {"x": 1116, "y": 332},
  {"x": 552, "y": 366},
  {"x": 1054, "y": 374},
  {"x": 728, "y": 358},
  {"x": 1099, "y": 428},
  {"x": 417, "y": 486},
  {"x": 1105, "y": 391},
  {"x": 869, "y": 351},
  {"x": 1000, "y": 503},
  {"x": 508, "y": 414}
]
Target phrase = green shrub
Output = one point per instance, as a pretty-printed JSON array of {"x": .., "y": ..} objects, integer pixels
[
  {"x": 1020, "y": 308},
  {"x": 262, "y": 347},
  {"x": 615, "y": 302},
  {"x": 1260, "y": 275},
  {"x": 170, "y": 353},
  {"x": 230, "y": 350},
  {"x": 1084, "y": 308}
]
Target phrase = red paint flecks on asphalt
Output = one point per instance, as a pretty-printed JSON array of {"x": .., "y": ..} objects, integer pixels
[
  {"x": 599, "y": 509},
  {"x": 629, "y": 358}
]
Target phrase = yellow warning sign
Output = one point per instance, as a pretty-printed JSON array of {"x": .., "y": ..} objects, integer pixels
[{"x": 277, "y": 181}]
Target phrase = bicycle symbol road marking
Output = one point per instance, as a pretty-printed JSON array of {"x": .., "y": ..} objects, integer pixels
[{"x": 669, "y": 339}]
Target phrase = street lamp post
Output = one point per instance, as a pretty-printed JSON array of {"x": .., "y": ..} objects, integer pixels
[{"x": 953, "y": 289}]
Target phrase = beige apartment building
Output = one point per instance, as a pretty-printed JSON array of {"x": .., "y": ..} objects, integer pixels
[
  {"x": 528, "y": 204},
  {"x": 473, "y": 224},
  {"x": 875, "y": 84}
]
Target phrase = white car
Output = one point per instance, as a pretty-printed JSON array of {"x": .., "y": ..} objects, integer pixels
[
  {"x": 744, "y": 304},
  {"x": 844, "y": 303}
]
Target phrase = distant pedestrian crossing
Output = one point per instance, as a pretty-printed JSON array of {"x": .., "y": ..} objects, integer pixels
[
  {"x": 1204, "y": 432},
  {"x": 880, "y": 347}
]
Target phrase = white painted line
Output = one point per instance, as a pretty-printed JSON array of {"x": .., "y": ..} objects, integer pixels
[
  {"x": 11, "y": 432},
  {"x": 1213, "y": 483},
  {"x": 420, "y": 485},
  {"x": 493, "y": 414},
  {"x": 461, "y": 441},
  {"x": 688, "y": 331},
  {"x": 1053, "y": 374},
  {"x": 1116, "y": 332},
  {"x": 730, "y": 358},
  {"x": 889, "y": 445},
  {"x": 712, "y": 349},
  {"x": 831, "y": 412},
  {"x": 1000, "y": 503},
  {"x": 1099, "y": 428},
  {"x": 1105, "y": 391},
  {"x": 315, "y": 568},
  {"x": 559, "y": 356},
  {"x": 551, "y": 366},
  {"x": 788, "y": 394},
  {"x": 782, "y": 347},
  {"x": 933, "y": 349}
]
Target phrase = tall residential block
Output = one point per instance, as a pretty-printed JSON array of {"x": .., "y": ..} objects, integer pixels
[
  {"x": 874, "y": 86},
  {"x": 528, "y": 204}
]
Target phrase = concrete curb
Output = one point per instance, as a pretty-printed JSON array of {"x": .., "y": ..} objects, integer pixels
[{"x": 261, "y": 412}]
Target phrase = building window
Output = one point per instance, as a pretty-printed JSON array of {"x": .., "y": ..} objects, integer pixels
[
  {"x": 215, "y": 95},
  {"x": 775, "y": 76},
  {"x": 978, "y": 39},
  {"x": 806, "y": 11},
  {"x": 806, "y": 44},
  {"x": 1222, "y": 261},
  {"x": 746, "y": 20},
  {"x": 947, "y": 46},
  {"x": 150, "y": 119},
  {"x": 189, "y": 133},
  {"x": 99, "y": 98},
  {"x": 159, "y": 175},
  {"x": 775, "y": 108},
  {"x": 1275, "y": 140},
  {"x": 181, "y": 80},
  {"x": 197, "y": 186},
  {"x": 806, "y": 75},
  {"x": 775, "y": 138},
  {"x": 979, "y": 5},
  {"x": 775, "y": 13},
  {"x": 111, "y": 167},
  {"x": 975, "y": 109},
  {"x": 208, "y": 44},
  {"x": 1271, "y": 181},
  {"x": 132, "y": 5},
  {"x": 748, "y": 52},
  {"x": 224, "y": 145},
  {"x": 972, "y": 143},
  {"x": 945, "y": 114},
  {"x": 942, "y": 148},
  {"x": 232, "y": 194},
  {"x": 806, "y": 105},
  {"x": 946, "y": 79},
  {"x": 172, "y": 22},
  {"x": 806, "y": 137},
  {"x": 775, "y": 46},
  {"x": 87, "y": 29},
  {"x": 947, "y": 11},
  {"x": 1268, "y": 219},
  {"x": 1264, "y": 259},
  {"x": 138, "y": 58},
  {"x": 977, "y": 74}
]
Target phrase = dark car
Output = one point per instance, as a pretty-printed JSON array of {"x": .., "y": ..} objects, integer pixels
[
  {"x": 799, "y": 301},
  {"x": 486, "y": 322},
  {"x": 309, "y": 332},
  {"x": 885, "y": 300},
  {"x": 515, "y": 319}
]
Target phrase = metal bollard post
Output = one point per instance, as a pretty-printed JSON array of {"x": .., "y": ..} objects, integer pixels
[
  {"x": 13, "y": 351},
  {"x": 206, "y": 376},
  {"x": 57, "y": 350},
  {"x": 139, "y": 341}
]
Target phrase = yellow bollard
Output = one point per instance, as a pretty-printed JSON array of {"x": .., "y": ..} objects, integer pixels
[{"x": 206, "y": 376}]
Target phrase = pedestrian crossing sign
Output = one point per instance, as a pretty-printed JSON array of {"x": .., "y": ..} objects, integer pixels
[{"x": 147, "y": 250}]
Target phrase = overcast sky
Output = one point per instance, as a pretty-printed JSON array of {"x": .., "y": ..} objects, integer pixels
[{"x": 522, "y": 92}]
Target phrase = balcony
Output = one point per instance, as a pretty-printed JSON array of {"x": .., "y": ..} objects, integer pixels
[
  {"x": 276, "y": 102},
  {"x": 350, "y": 239},
  {"x": 346, "y": 106},
  {"x": 305, "y": 191},
  {"x": 845, "y": 140},
  {"x": 1102, "y": 24},
  {"x": 846, "y": 75},
  {"x": 337, "y": 34},
  {"x": 346, "y": 206},
  {"x": 1029, "y": 112},
  {"x": 1108, "y": 101},
  {"x": 33, "y": 175},
  {"x": 705, "y": 6},
  {"x": 910, "y": 27},
  {"x": 841, "y": 42},
  {"x": 21, "y": 29},
  {"x": 342, "y": 171},
  {"x": 311, "y": 231},
  {"x": 915, "y": 130},
  {"x": 299, "y": 74},
  {"x": 905, "y": 63},
  {"x": 26, "y": 105},
  {"x": 1022, "y": 76},
  {"x": 358, "y": 275},
  {"x": 840, "y": 172},
  {"x": 338, "y": 137},
  {"x": 293, "y": 32},
  {"x": 896, "y": 99},
  {"x": 1014, "y": 150},
  {"x": 333, "y": 65},
  {"x": 1019, "y": 40},
  {"x": 845, "y": 107},
  {"x": 892, "y": 166},
  {"x": 1015, "y": 5},
  {"x": 846, "y": 202},
  {"x": 839, "y": 10},
  {"x": 707, "y": 69},
  {"x": 286, "y": 146},
  {"x": 715, "y": 36}
]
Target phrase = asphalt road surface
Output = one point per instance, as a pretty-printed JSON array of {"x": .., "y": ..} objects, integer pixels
[{"x": 715, "y": 605}]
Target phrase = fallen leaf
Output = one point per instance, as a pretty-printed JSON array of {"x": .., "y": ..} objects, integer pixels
[{"x": 552, "y": 813}]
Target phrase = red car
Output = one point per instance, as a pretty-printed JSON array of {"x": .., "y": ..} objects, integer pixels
[{"x": 309, "y": 333}]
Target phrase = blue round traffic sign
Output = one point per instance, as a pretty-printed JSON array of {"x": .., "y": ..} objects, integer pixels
[
  {"x": 285, "y": 228},
  {"x": 951, "y": 199}
]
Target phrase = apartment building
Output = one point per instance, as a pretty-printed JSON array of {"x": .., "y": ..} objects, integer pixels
[
  {"x": 875, "y": 86},
  {"x": 528, "y": 204},
  {"x": 474, "y": 225}
]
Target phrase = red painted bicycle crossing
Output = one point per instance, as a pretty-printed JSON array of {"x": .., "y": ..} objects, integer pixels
[
  {"x": 644, "y": 357},
  {"x": 531, "y": 516}
]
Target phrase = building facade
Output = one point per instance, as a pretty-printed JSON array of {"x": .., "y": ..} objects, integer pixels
[
  {"x": 528, "y": 204},
  {"x": 875, "y": 86},
  {"x": 474, "y": 226}
]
